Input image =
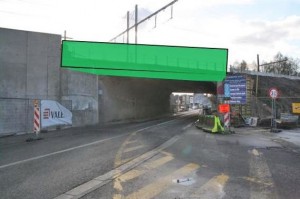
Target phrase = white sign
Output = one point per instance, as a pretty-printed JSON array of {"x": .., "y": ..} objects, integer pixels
[
  {"x": 53, "y": 114},
  {"x": 191, "y": 100},
  {"x": 273, "y": 92}
]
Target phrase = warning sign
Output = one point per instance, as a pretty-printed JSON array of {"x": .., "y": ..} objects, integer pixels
[
  {"x": 224, "y": 108},
  {"x": 296, "y": 108}
]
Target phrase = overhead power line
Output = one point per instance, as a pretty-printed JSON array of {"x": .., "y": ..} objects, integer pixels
[{"x": 135, "y": 26}]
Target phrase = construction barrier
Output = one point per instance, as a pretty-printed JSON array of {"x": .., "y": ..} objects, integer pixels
[
  {"x": 237, "y": 120},
  {"x": 210, "y": 123}
]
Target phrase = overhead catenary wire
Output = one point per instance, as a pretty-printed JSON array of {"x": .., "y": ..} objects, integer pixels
[{"x": 145, "y": 19}]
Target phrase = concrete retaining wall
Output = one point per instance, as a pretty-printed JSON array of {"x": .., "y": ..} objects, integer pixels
[
  {"x": 30, "y": 69},
  {"x": 131, "y": 98}
]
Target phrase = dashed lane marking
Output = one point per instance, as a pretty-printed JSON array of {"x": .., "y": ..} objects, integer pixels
[
  {"x": 262, "y": 185},
  {"x": 155, "y": 188},
  {"x": 102, "y": 180},
  {"x": 118, "y": 157},
  {"x": 133, "y": 148},
  {"x": 148, "y": 166},
  {"x": 213, "y": 189},
  {"x": 131, "y": 141}
]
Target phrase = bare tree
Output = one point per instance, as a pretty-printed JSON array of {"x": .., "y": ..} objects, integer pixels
[{"x": 288, "y": 67}]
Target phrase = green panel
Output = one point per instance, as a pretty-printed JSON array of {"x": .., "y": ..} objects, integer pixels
[{"x": 145, "y": 61}]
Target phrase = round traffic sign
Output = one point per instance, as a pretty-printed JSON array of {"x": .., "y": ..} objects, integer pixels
[{"x": 273, "y": 93}]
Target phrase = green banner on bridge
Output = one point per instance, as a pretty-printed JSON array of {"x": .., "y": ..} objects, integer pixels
[{"x": 145, "y": 61}]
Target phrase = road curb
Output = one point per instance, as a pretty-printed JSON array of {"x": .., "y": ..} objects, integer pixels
[{"x": 102, "y": 180}]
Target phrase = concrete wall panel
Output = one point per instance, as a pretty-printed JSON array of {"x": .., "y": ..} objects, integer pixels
[
  {"x": 53, "y": 77},
  {"x": 12, "y": 80},
  {"x": 82, "y": 90},
  {"x": 38, "y": 44},
  {"x": 37, "y": 76},
  {"x": 13, "y": 48}
]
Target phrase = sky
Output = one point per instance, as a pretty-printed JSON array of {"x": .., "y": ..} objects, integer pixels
[{"x": 245, "y": 27}]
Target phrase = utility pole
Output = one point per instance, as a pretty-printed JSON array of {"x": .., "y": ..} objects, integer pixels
[
  {"x": 257, "y": 76},
  {"x": 127, "y": 27},
  {"x": 137, "y": 23},
  {"x": 65, "y": 36}
]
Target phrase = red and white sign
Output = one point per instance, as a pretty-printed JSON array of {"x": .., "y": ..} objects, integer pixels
[
  {"x": 224, "y": 108},
  {"x": 273, "y": 93}
]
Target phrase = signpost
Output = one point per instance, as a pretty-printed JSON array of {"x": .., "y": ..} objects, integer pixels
[
  {"x": 235, "y": 88},
  {"x": 274, "y": 94},
  {"x": 296, "y": 108}
]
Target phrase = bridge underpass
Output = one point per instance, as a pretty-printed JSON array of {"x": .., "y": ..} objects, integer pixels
[
  {"x": 136, "y": 81},
  {"x": 135, "y": 98},
  {"x": 32, "y": 69}
]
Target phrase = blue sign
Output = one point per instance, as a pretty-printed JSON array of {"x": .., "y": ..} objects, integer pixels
[
  {"x": 226, "y": 90},
  {"x": 237, "y": 89}
]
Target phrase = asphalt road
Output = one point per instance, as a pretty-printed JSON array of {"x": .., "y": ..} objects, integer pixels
[
  {"x": 166, "y": 158},
  {"x": 70, "y": 157}
]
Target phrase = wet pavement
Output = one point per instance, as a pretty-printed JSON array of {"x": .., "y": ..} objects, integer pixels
[
  {"x": 248, "y": 164},
  {"x": 168, "y": 158}
]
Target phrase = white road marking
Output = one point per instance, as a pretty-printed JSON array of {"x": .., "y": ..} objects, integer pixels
[
  {"x": 81, "y": 146},
  {"x": 90, "y": 186},
  {"x": 59, "y": 152}
]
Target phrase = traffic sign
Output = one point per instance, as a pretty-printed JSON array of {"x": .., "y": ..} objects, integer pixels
[
  {"x": 226, "y": 90},
  {"x": 273, "y": 93},
  {"x": 296, "y": 108},
  {"x": 224, "y": 108}
]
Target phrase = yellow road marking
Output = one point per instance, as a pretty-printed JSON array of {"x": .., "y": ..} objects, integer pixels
[
  {"x": 214, "y": 188},
  {"x": 127, "y": 160},
  {"x": 255, "y": 152},
  {"x": 133, "y": 148},
  {"x": 131, "y": 175},
  {"x": 158, "y": 162},
  {"x": 263, "y": 188},
  {"x": 161, "y": 184},
  {"x": 254, "y": 180},
  {"x": 166, "y": 153},
  {"x": 117, "y": 185},
  {"x": 118, "y": 157},
  {"x": 151, "y": 165},
  {"x": 117, "y": 196},
  {"x": 131, "y": 141}
]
